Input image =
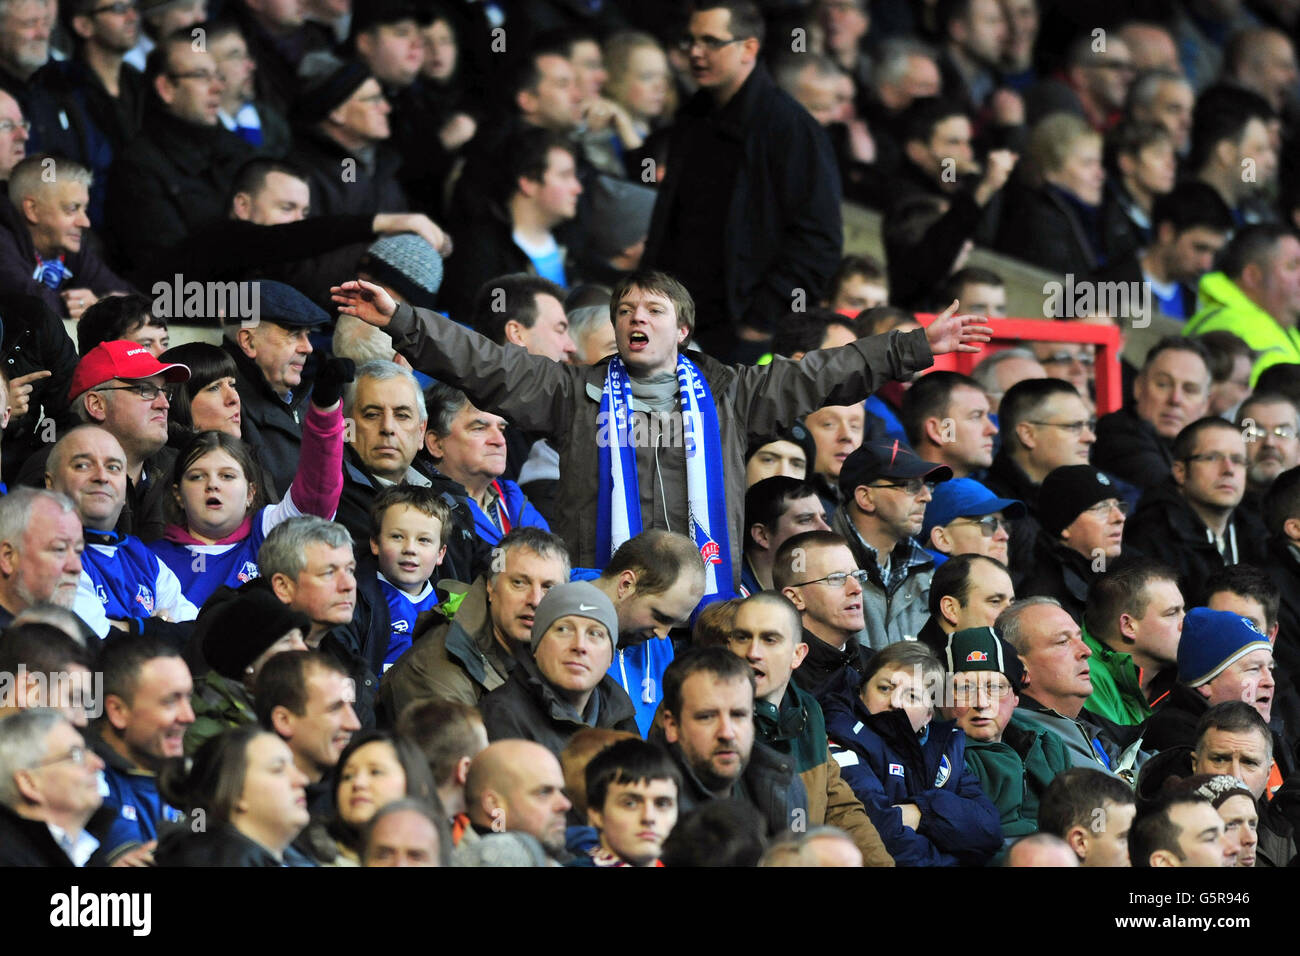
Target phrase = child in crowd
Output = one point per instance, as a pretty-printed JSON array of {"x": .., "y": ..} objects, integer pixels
[
  {"x": 632, "y": 789},
  {"x": 410, "y": 526},
  {"x": 222, "y": 520},
  {"x": 907, "y": 768}
]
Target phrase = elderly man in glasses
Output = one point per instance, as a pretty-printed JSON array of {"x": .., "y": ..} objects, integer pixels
[
  {"x": 49, "y": 790},
  {"x": 1193, "y": 521}
]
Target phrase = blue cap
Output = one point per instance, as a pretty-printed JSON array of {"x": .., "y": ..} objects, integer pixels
[
  {"x": 1212, "y": 641},
  {"x": 286, "y": 306},
  {"x": 965, "y": 498}
]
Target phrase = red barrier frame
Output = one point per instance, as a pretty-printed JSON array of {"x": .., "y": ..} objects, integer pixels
[{"x": 1010, "y": 333}]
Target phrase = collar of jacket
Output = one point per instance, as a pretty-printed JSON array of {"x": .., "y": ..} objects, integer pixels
[
  {"x": 189, "y": 145},
  {"x": 311, "y": 140},
  {"x": 778, "y": 726},
  {"x": 602, "y": 706},
  {"x": 470, "y": 638},
  {"x": 113, "y": 760},
  {"x": 1216, "y": 290},
  {"x": 826, "y": 655},
  {"x": 1127, "y": 677},
  {"x": 1005, "y": 468},
  {"x": 1185, "y": 522},
  {"x": 1076, "y": 569},
  {"x": 894, "y": 727},
  {"x": 738, "y": 114}
]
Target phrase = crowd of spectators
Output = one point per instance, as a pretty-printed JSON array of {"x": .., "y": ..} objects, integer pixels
[{"x": 448, "y": 433}]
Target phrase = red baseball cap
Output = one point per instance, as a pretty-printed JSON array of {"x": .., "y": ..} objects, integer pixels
[{"x": 120, "y": 359}]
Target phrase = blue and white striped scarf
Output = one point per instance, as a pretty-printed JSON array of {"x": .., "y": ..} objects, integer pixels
[{"x": 619, "y": 515}]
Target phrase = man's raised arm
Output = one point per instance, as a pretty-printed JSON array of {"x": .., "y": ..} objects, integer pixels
[
  {"x": 534, "y": 393},
  {"x": 776, "y": 394}
]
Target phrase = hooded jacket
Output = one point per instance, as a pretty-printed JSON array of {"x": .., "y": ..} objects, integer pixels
[
  {"x": 1015, "y": 772},
  {"x": 899, "y": 612},
  {"x": 797, "y": 729},
  {"x": 562, "y": 402},
  {"x": 887, "y": 763},
  {"x": 1167, "y": 529},
  {"x": 1224, "y": 307},
  {"x": 458, "y": 660},
  {"x": 527, "y": 706}
]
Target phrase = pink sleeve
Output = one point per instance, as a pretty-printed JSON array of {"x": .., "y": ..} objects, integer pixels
[{"x": 318, "y": 483}]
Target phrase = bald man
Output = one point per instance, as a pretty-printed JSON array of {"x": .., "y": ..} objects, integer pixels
[
  {"x": 517, "y": 786},
  {"x": 123, "y": 583},
  {"x": 1040, "y": 849}
]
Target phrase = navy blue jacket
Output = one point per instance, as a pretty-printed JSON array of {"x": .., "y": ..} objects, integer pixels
[{"x": 886, "y": 763}]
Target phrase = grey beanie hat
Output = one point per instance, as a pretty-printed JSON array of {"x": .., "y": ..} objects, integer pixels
[
  {"x": 407, "y": 263},
  {"x": 581, "y": 598}
]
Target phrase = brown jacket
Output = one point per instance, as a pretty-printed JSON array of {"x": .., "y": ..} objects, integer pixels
[
  {"x": 456, "y": 660},
  {"x": 562, "y": 403}
]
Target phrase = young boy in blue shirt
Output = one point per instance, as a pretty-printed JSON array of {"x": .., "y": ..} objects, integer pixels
[{"x": 410, "y": 526}]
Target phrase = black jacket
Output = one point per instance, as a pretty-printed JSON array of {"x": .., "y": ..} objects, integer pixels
[
  {"x": 1174, "y": 722},
  {"x": 783, "y": 229},
  {"x": 769, "y": 784},
  {"x": 1129, "y": 448},
  {"x": 35, "y": 340},
  {"x": 26, "y": 842},
  {"x": 526, "y": 706},
  {"x": 1006, "y": 479},
  {"x": 172, "y": 179},
  {"x": 1165, "y": 527},
  {"x": 1059, "y": 572},
  {"x": 485, "y": 249},
  {"x": 1042, "y": 228},
  {"x": 270, "y": 425},
  {"x": 333, "y": 193},
  {"x": 222, "y": 845},
  {"x": 277, "y": 58},
  {"x": 824, "y": 663}
]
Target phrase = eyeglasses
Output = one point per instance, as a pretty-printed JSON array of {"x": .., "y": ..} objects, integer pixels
[
  {"x": 912, "y": 486},
  {"x": 988, "y": 525},
  {"x": 204, "y": 76},
  {"x": 839, "y": 578},
  {"x": 1218, "y": 458},
  {"x": 77, "y": 755},
  {"x": 8, "y": 126},
  {"x": 966, "y": 695},
  {"x": 1252, "y": 433},
  {"x": 1102, "y": 509},
  {"x": 145, "y": 390},
  {"x": 711, "y": 44},
  {"x": 1065, "y": 358},
  {"x": 120, "y": 8},
  {"x": 1073, "y": 427}
]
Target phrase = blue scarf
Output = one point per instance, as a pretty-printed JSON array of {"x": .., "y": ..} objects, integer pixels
[
  {"x": 51, "y": 272},
  {"x": 619, "y": 509}
]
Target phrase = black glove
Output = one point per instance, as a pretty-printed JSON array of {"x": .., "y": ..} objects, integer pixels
[{"x": 333, "y": 375}]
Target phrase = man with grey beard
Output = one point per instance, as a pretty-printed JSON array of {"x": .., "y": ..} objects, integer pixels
[{"x": 40, "y": 551}]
